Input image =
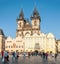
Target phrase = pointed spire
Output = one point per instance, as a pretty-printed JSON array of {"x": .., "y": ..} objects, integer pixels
[
  {"x": 35, "y": 14},
  {"x": 21, "y": 15}
]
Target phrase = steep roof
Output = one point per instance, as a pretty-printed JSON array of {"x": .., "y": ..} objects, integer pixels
[
  {"x": 1, "y": 32},
  {"x": 35, "y": 14}
]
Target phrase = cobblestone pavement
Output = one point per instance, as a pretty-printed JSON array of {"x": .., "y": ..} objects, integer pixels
[{"x": 33, "y": 60}]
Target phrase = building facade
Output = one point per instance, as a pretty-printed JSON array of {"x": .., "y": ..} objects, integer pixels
[
  {"x": 2, "y": 40},
  {"x": 58, "y": 45},
  {"x": 12, "y": 44},
  {"x": 29, "y": 36}
]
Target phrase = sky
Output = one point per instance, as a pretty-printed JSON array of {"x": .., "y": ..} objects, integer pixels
[{"x": 49, "y": 11}]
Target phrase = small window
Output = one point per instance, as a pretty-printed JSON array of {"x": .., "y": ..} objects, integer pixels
[
  {"x": 22, "y": 46},
  {"x": 9, "y": 46},
  {"x": 19, "y": 46}
]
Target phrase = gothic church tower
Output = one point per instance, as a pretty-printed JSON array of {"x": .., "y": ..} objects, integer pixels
[
  {"x": 20, "y": 23},
  {"x": 35, "y": 21}
]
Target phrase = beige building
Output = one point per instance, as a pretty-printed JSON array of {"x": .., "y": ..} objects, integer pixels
[
  {"x": 58, "y": 45},
  {"x": 2, "y": 40},
  {"x": 29, "y": 36},
  {"x": 12, "y": 44}
]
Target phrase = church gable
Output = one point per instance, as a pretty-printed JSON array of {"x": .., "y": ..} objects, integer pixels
[
  {"x": 35, "y": 35},
  {"x": 27, "y": 34},
  {"x": 50, "y": 35}
]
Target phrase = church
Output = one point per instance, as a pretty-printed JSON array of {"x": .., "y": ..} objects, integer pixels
[{"x": 29, "y": 37}]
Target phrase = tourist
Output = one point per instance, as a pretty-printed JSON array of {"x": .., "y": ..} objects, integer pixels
[
  {"x": 56, "y": 56},
  {"x": 2, "y": 53},
  {"x": 24, "y": 55},
  {"x": 46, "y": 55},
  {"x": 5, "y": 55},
  {"x": 43, "y": 55},
  {"x": 13, "y": 56},
  {"x": 28, "y": 54},
  {"x": 16, "y": 55}
]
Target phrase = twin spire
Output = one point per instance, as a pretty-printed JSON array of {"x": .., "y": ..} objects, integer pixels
[{"x": 35, "y": 14}]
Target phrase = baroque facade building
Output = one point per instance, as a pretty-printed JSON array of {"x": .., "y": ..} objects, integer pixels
[{"x": 29, "y": 36}]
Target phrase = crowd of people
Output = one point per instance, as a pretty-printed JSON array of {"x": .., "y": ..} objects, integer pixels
[
  {"x": 15, "y": 55},
  {"x": 5, "y": 56}
]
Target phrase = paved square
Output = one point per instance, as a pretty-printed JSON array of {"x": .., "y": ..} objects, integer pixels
[{"x": 33, "y": 60}]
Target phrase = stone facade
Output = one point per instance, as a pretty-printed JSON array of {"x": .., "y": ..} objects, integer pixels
[
  {"x": 12, "y": 44},
  {"x": 2, "y": 40},
  {"x": 58, "y": 45},
  {"x": 29, "y": 36}
]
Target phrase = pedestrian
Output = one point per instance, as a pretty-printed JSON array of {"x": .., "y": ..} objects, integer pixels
[
  {"x": 28, "y": 54},
  {"x": 24, "y": 55},
  {"x": 46, "y": 55},
  {"x": 13, "y": 56},
  {"x": 56, "y": 56},
  {"x": 16, "y": 55},
  {"x": 5, "y": 55},
  {"x": 43, "y": 55},
  {"x": 2, "y": 53}
]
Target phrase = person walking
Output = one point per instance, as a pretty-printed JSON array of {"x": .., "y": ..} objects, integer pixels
[
  {"x": 2, "y": 53},
  {"x": 16, "y": 55},
  {"x": 5, "y": 55},
  {"x": 43, "y": 55},
  {"x": 56, "y": 56},
  {"x": 13, "y": 56},
  {"x": 46, "y": 55},
  {"x": 28, "y": 54}
]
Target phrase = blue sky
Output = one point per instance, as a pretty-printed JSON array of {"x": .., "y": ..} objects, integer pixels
[{"x": 49, "y": 11}]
